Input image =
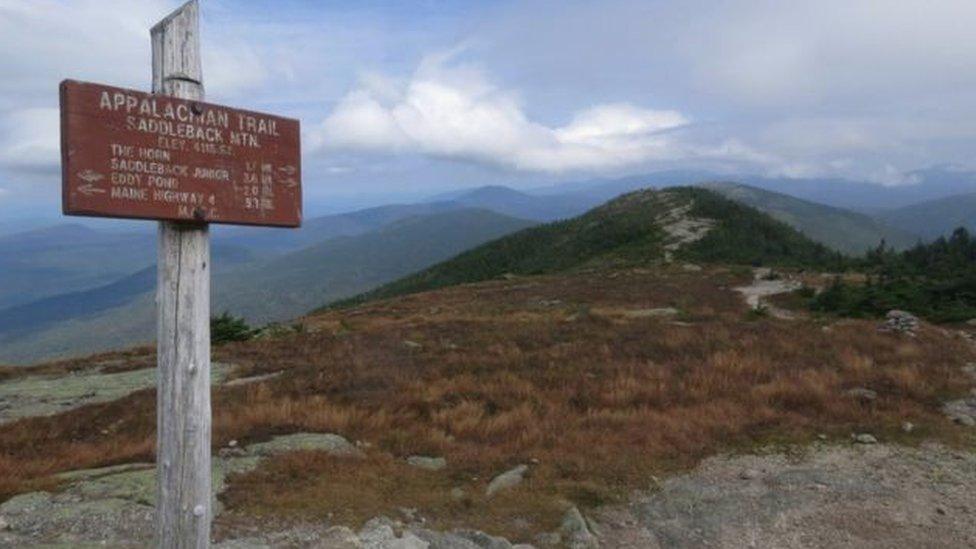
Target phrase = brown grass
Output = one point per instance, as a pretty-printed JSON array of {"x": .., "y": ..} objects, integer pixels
[{"x": 535, "y": 370}]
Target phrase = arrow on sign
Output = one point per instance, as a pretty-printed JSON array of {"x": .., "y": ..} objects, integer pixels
[
  {"x": 290, "y": 182},
  {"x": 290, "y": 170},
  {"x": 91, "y": 176},
  {"x": 87, "y": 189}
]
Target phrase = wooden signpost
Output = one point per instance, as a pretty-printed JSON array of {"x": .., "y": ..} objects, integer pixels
[{"x": 171, "y": 157}]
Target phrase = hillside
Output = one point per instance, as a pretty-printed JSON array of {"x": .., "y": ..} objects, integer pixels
[
  {"x": 284, "y": 287},
  {"x": 318, "y": 229},
  {"x": 843, "y": 230},
  {"x": 644, "y": 403},
  {"x": 276, "y": 289},
  {"x": 640, "y": 228},
  {"x": 498, "y": 199},
  {"x": 30, "y": 318},
  {"x": 935, "y": 218}
]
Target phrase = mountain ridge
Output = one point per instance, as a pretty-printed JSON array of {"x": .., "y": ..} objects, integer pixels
[
  {"x": 635, "y": 228},
  {"x": 935, "y": 218},
  {"x": 847, "y": 231}
]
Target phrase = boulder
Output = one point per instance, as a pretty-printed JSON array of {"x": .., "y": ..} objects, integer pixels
[
  {"x": 651, "y": 313},
  {"x": 575, "y": 532},
  {"x": 444, "y": 540},
  {"x": 508, "y": 479},
  {"x": 962, "y": 411},
  {"x": 378, "y": 533},
  {"x": 322, "y": 442},
  {"x": 749, "y": 474},
  {"x": 862, "y": 394},
  {"x": 483, "y": 540},
  {"x": 426, "y": 462}
]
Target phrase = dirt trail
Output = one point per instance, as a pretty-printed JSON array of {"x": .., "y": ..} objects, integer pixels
[{"x": 764, "y": 285}]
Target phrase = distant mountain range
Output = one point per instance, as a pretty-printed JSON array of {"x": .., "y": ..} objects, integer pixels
[
  {"x": 935, "y": 218},
  {"x": 67, "y": 258},
  {"x": 121, "y": 313},
  {"x": 62, "y": 284},
  {"x": 871, "y": 198}
]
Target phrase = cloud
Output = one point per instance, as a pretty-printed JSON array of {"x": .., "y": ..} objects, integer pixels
[
  {"x": 29, "y": 140},
  {"x": 851, "y": 89},
  {"x": 867, "y": 90},
  {"x": 45, "y": 41},
  {"x": 451, "y": 110}
]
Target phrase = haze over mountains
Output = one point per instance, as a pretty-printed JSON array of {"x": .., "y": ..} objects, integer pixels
[
  {"x": 61, "y": 285},
  {"x": 934, "y": 218}
]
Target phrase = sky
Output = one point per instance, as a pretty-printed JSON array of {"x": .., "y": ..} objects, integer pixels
[{"x": 399, "y": 100}]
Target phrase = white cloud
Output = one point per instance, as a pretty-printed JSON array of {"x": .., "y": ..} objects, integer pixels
[
  {"x": 29, "y": 139},
  {"x": 867, "y": 89},
  {"x": 454, "y": 111},
  {"x": 45, "y": 41}
]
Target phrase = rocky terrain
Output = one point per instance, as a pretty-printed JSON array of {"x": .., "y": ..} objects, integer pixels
[{"x": 824, "y": 495}]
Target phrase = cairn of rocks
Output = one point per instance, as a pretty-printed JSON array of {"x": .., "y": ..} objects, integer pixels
[{"x": 900, "y": 321}]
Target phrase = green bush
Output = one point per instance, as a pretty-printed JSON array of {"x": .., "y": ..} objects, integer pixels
[{"x": 226, "y": 328}]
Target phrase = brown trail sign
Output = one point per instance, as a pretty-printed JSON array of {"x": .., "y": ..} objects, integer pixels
[{"x": 132, "y": 154}]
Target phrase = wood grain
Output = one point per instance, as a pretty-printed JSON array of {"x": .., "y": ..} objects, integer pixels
[{"x": 184, "y": 505}]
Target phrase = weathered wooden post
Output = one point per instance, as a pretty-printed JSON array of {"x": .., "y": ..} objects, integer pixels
[
  {"x": 172, "y": 158},
  {"x": 184, "y": 507}
]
